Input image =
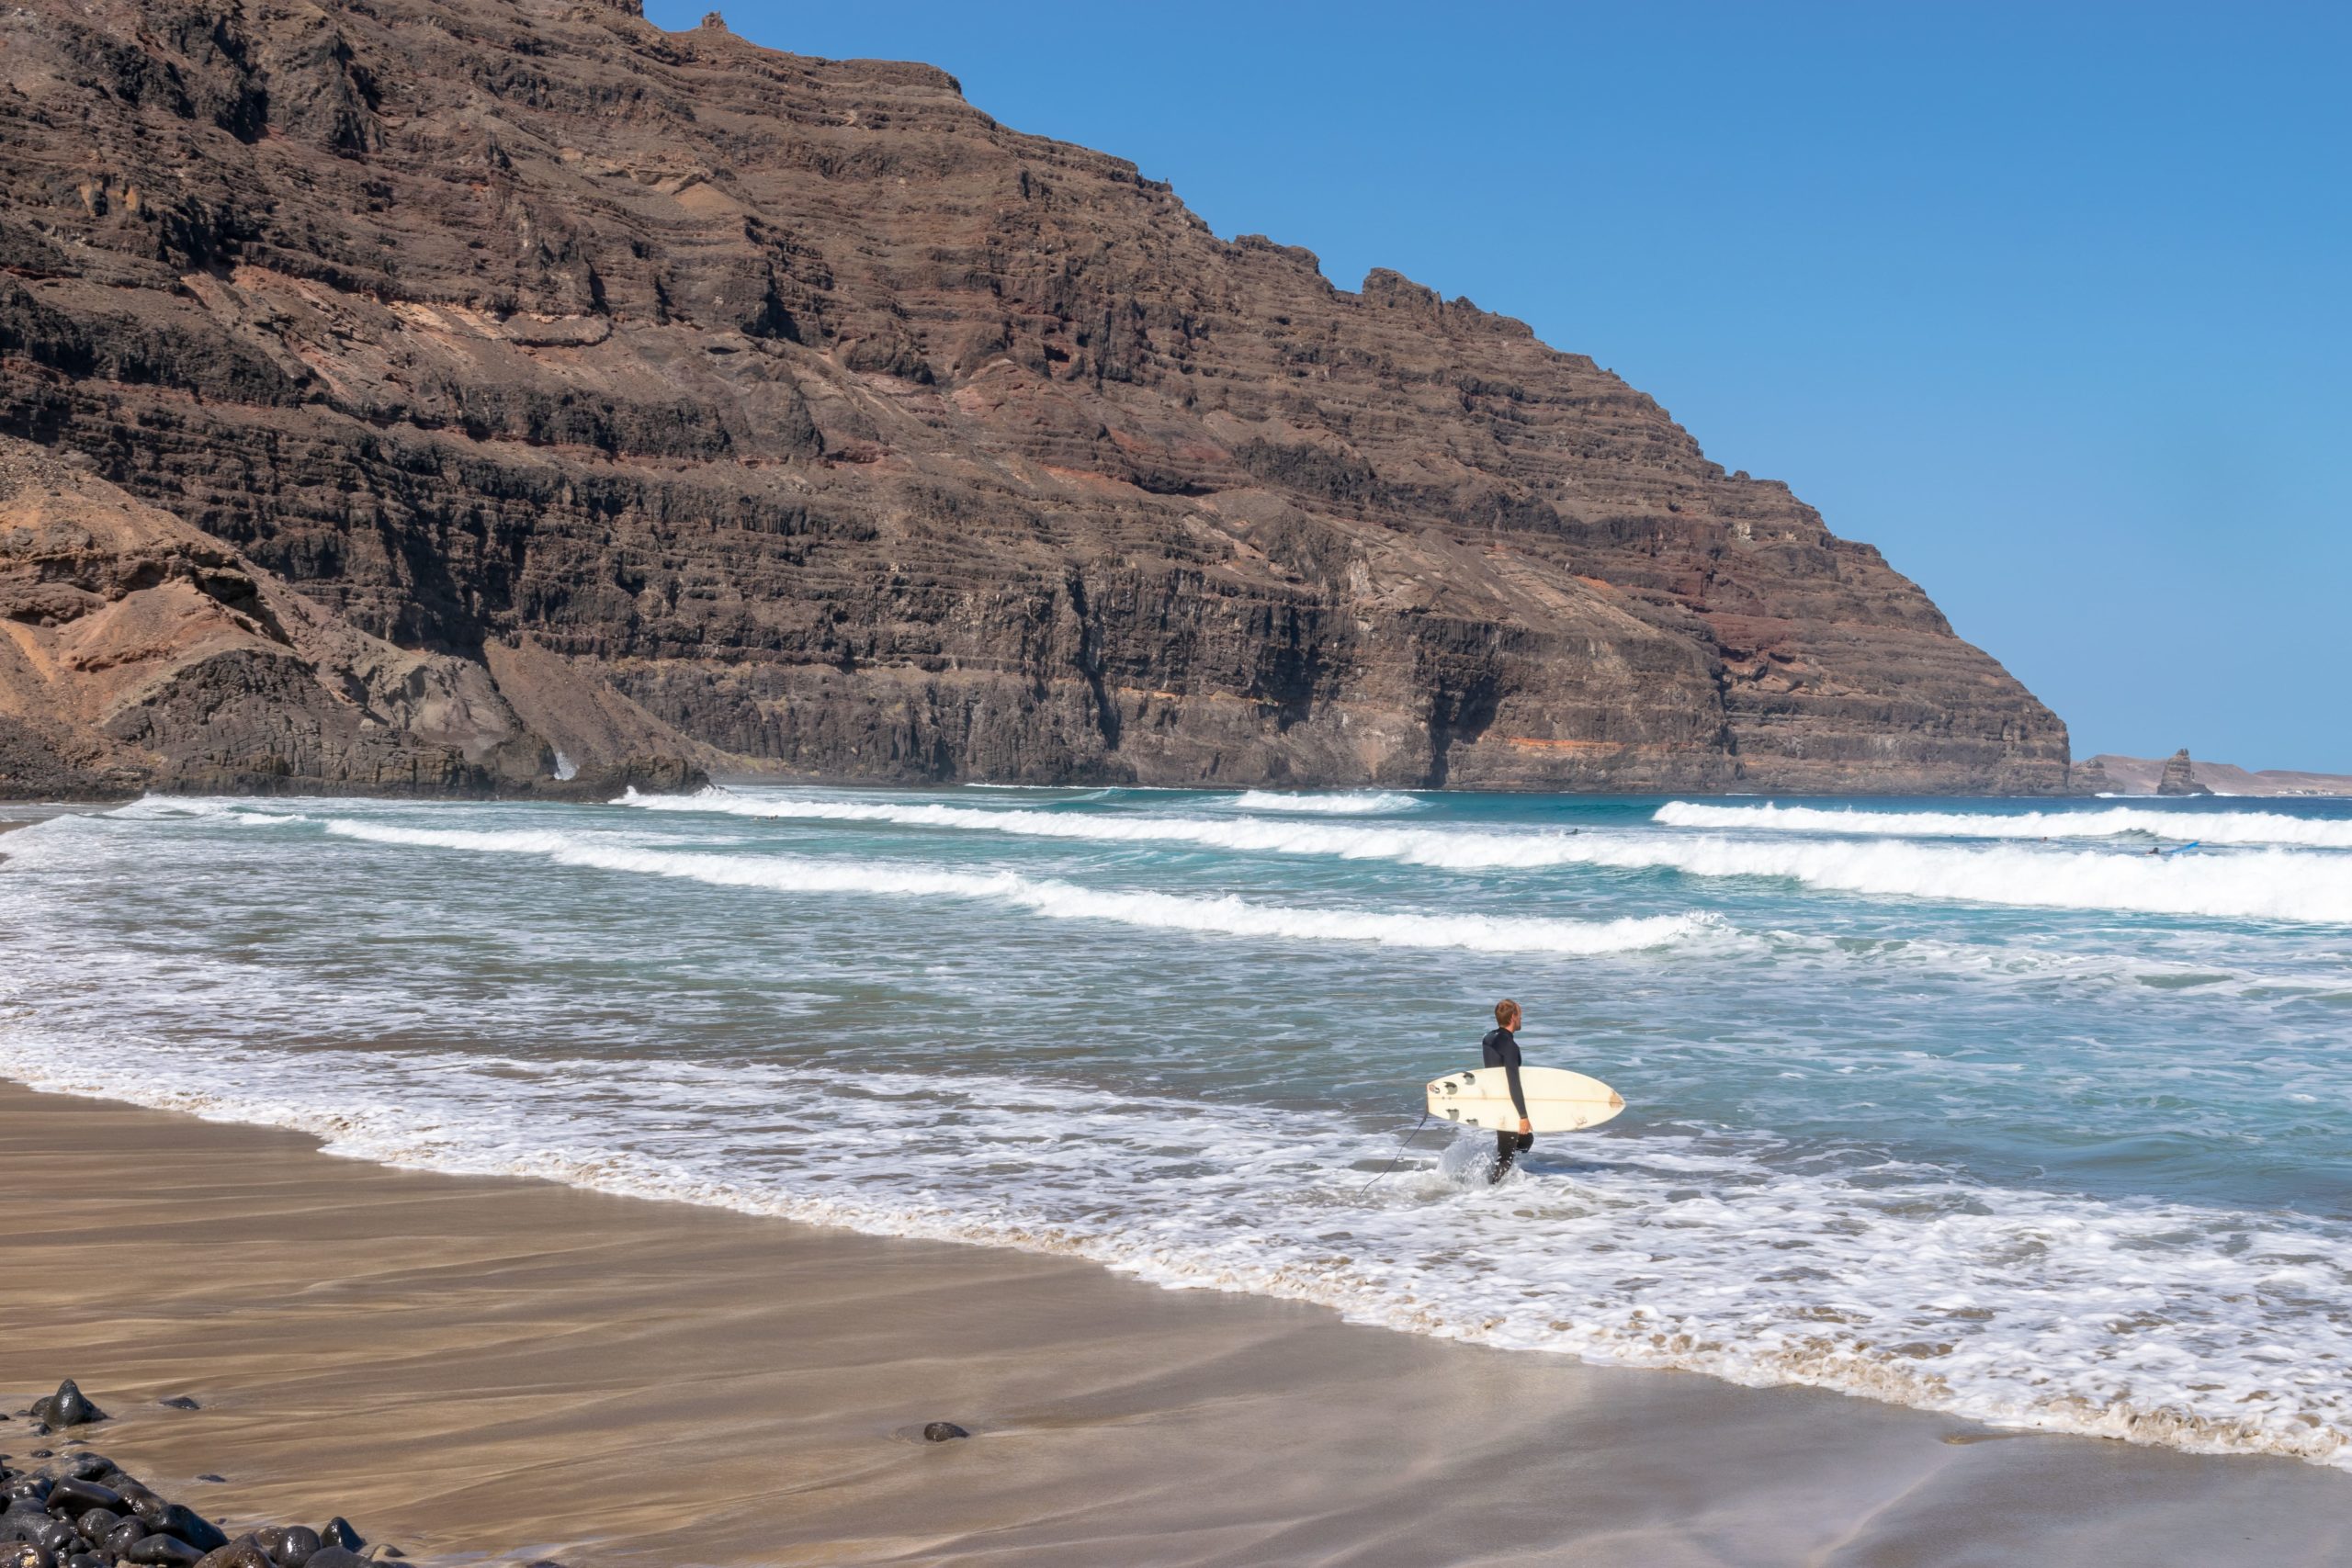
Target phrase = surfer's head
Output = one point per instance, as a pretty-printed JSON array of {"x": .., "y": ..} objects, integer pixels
[{"x": 1506, "y": 1013}]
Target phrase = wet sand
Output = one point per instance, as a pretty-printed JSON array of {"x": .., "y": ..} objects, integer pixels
[{"x": 495, "y": 1370}]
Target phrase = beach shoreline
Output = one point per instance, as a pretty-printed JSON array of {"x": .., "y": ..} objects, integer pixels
[{"x": 493, "y": 1369}]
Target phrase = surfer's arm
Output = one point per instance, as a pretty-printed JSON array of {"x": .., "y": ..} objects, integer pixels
[{"x": 1518, "y": 1095}]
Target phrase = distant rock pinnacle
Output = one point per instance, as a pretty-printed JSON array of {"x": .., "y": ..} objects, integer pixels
[{"x": 2179, "y": 776}]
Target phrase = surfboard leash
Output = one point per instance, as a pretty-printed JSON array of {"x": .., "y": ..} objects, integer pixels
[{"x": 1399, "y": 1153}]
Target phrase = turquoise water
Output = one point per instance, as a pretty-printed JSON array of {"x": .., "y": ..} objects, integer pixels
[{"x": 1975, "y": 1106}]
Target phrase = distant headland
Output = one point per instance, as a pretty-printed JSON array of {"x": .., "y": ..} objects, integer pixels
[{"x": 2180, "y": 775}]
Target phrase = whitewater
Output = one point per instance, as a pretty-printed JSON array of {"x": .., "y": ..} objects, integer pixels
[
  {"x": 2268, "y": 884},
  {"x": 1971, "y": 1106}
]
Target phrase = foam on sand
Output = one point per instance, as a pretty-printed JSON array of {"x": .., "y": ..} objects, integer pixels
[{"x": 2198, "y": 1328}]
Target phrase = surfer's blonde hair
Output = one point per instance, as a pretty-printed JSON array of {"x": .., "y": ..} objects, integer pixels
[{"x": 1506, "y": 1012}]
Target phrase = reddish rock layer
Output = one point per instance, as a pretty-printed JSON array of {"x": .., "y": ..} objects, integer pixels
[{"x": 842, "y": 429}]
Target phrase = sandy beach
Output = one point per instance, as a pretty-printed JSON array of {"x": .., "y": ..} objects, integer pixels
[{"x": 493, "y": 1371}]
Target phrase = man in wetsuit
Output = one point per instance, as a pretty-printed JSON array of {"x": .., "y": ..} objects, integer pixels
[{"x": 1500, "y": 1049}]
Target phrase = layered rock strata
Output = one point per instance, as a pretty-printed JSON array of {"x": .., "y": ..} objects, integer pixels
[
  {"x": 136, "y": 652},
  {"x": 833, "y": 426}
]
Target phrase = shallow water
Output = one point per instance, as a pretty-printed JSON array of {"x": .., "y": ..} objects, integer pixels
[{"x": 1975, "y": 1106}]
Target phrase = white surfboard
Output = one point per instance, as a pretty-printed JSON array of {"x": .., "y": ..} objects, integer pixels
[{"x": 1558, "y": 1100}]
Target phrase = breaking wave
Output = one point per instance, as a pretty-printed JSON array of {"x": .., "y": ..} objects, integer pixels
[
  {"x": 1354, "y": 803},
  {"x": 2258, "y": 885},
  {"x": 2209, "y": 827},
  {"x": 1052, "y": 898},
  {"x": 2267, "y": 885}
]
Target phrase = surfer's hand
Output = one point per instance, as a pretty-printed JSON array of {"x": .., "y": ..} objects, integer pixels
[{"x": 1526, "y": 1128}]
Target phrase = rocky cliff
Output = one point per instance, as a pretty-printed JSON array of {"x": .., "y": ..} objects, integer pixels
[
  {"x": 809, "y": 419},
  {"x": 136, "y": 652}
]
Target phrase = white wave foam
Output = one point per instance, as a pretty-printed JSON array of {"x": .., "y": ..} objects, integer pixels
[
  {"x": 1425, "y": 846},
  {"x": 165, "y": 808},
  {"x": 2269, "y": 885},
  {"x": 2260, "y": 885},
  {"x": 2209, "y": 827},
  {"x": 1354, "y": 803},
  {"x": 1054, "y": 900},
  {"x": 1073, "y": 791},
  {"x": 1722, "y": 1253},
  {"x": 2157, "y": 1323}
]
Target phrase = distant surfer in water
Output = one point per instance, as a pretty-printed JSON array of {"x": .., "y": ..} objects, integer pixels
[{"x": 1500, "y": 1049}]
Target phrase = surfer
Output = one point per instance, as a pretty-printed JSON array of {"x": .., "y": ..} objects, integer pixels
[{"x": 1500, "y": 1049}]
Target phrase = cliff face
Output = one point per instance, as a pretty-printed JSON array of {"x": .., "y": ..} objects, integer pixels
[
  {"x": 137, "y": 651},
  {"x": 799, "y": 410}
]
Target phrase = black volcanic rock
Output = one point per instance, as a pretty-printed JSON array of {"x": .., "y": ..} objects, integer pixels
[
  {"x": 66, "y": 1407},
  {"x": 288, "y": 1546},
  {"x": 658, "y": 400},
  {"x": 242, "y": 1554},
  {"x": 76, "y": 1497}
]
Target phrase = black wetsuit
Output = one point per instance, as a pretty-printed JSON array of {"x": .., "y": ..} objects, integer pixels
[{"x": 1500, "y": 1049}]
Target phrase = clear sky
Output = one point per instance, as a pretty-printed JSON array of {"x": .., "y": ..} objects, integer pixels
[{"x": 2051, "y": 302}]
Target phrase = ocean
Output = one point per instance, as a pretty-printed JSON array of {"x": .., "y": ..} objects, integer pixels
[{"x": 1975, "y": 1106}]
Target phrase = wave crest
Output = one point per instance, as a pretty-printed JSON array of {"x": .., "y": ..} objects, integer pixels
[
  {"x": 1052, "y": 898},
  {"x": 2272, "y": 884},
  {"x": 2209, "y": 827},
  {"x": 1353, "y": 803}
]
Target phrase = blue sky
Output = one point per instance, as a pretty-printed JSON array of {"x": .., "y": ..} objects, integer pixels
[{"x": 2052, "y": 303}]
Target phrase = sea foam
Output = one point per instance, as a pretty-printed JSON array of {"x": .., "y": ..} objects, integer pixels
[
  {"x": 1053, "y": 898},
  {"x": 2208, "y": 826},
  {"x": 1832, "y": 1172},
  {"x": 2198, "y": 1328},
  {"x": 2266, "y": 884},
  {"x": 1351, "y": 803}
]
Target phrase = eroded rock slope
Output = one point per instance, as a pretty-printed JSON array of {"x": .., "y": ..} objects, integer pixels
[{"x": 136, "y": 652}]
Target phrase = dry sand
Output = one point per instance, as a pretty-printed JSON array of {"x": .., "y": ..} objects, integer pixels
[{"x": 493, "y": 1371}]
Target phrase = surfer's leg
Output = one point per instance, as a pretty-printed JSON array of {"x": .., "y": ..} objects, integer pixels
[{"x": 1509, "y": 1146}]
